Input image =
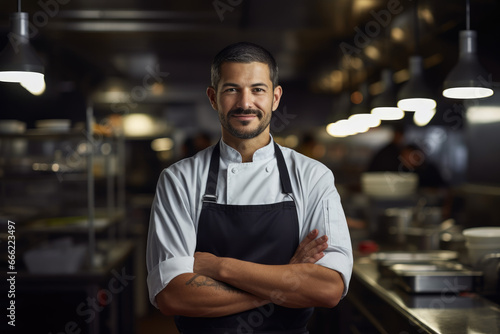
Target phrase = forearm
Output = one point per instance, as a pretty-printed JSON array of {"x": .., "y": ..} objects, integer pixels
[
  {"x": 196, "y": 295},
  {"x": 291, "y": 285}
]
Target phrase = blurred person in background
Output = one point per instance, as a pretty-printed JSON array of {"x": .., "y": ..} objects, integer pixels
[
  {"x": 414, "y": 160},
  {"x": 387, "y": 158}
]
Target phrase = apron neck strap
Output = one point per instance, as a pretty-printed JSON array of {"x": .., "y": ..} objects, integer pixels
[
  {"x": 213, "y": 173},
  {"x": 286, "y": 186}
]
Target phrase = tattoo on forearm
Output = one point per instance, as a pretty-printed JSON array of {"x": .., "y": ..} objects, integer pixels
[{"x": 200, "y": 280}]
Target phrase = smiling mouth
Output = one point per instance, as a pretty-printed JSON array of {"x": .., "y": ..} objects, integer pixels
[{"x": 245, "y": 115}]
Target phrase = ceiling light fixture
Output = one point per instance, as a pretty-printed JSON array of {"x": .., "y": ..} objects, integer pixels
[
  {"x": 342, "y": 128},
  {"x": 384, "y": 105},
  {"x": 468, "y": 79},
  {"x": 415, "y": 94},
  {"x": 422, "y": 117},
  {"x": 361, "y": 118},
  {"x": 18, "y": 61}
]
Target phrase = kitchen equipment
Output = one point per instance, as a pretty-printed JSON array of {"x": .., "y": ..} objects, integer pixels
[
  {"x": 442, "y": 277},
  {"x": 392, "y": 225},
  {"x": 422, "y": 238},
  {"x": 421, "y": 256},
  {"x": 389, "y": 185},
  {"x": 428, "y": 236},
  {"x": 59, "y": 257},
  {"x": 433, "y": 271},
  {"x": 429, "y": 216}
]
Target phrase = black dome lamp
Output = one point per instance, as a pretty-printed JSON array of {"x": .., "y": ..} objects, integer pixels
[
  {"x": 415, "y": 94},
  {"x": 384, "y": 105},
  {"x": 18, "y": 61},
  {"x": 468, "y": 79}
]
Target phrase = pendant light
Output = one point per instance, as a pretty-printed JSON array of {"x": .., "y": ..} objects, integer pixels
[
  {"x": 18, "y": 61},
  {"x": 422, "y": 117},
  {"x": 361, "y": 118},
  {"x": 468, "y": 79},
  {"x": 415, "y": 94},
  {"x": 384, "y": 105}
]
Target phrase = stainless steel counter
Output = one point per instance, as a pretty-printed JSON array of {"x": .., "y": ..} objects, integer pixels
[{"x": 392, "y": 310}]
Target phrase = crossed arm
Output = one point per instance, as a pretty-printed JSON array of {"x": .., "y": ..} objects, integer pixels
[{"x": 221, "y": 286}]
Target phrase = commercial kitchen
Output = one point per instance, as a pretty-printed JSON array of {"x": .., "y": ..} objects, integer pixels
[{"x": 119, "y": 94}]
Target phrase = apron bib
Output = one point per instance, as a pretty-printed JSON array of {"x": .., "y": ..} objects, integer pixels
[{"x": 265, "y": 234}]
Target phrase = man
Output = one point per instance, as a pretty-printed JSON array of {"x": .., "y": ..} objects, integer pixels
[{"x": 223, "y": 247}]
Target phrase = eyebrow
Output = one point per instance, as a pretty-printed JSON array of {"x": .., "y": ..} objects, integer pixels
[{"x": 258, "y": 84}]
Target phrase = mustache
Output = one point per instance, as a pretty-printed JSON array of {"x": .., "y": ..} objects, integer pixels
[{"x": 241, "y": 111}]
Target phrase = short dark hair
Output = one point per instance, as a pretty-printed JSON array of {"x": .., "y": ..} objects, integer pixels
[{"x": 243, "y": 52}]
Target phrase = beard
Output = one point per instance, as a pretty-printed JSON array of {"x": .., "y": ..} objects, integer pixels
[{"x": 243, "y": 133}]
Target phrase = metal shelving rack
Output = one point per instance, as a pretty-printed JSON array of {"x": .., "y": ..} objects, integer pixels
[{"x": 113, "y": 180}]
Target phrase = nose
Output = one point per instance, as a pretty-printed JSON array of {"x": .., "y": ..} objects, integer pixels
[{"x": 245, "y": 99}]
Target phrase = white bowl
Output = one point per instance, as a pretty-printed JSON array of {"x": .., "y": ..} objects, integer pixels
[
  {"x": 482, "y": 235},
  {"x": 389, "y": 184},
  {"x": 481, "y": 241}
]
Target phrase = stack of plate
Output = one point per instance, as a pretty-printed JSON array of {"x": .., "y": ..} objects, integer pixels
[
  {"x": 12, "y": 126},
  {"x": 54, "y": 125}
]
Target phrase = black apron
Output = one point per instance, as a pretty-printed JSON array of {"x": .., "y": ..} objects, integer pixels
[{"x": 265, "y": 234}]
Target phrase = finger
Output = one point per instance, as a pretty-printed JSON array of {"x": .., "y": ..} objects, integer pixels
[
  {"x": 316, "y": 257},
  {"x": 309, "y": 238},
  {"x": 311, "y": 256},
  {"x": 317, "y": 249},
  {"x": 314, "y": 243},
  {"x": 313, "y": 234},
  {"x": 313, "y": 247},
  {"x": 310, "y": 248}
]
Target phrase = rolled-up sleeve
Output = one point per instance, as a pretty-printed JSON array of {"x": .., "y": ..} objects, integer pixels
[
  {"x": 325, "y": 213},
  {"x": 171, "y": 237}
]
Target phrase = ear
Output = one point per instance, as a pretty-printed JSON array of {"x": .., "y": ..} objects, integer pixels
[
  {"x": 278, "y": 91},
  {"x": 212, "y": 96}
]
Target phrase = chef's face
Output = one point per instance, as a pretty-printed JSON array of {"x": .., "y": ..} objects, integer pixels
[{"x": 245, "y": 99}]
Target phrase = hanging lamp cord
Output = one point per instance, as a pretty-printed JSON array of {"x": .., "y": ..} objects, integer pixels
[
  {"x": 467, "y": 14},
  {"x": 19, "y": 6},
  {"x": 415, "y": 28}
]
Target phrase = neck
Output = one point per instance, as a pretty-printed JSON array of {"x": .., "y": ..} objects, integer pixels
[{"x": 247, "y": 147}]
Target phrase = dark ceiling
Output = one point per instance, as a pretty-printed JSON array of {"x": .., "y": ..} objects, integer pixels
[{"x": 92, "y": 47}]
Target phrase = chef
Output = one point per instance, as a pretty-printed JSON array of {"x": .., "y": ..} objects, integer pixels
[{"x": 246, "y": 236}]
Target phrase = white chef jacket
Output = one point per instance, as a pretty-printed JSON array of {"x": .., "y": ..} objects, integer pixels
[{"x": 178, "y": 202}]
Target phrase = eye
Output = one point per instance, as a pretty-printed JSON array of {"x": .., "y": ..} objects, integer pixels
[
  {"x": 230, "y": 90},
  {"x": 258, "y": 90}
]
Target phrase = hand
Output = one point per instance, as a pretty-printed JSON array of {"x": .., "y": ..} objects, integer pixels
[
  {"x": 310, "y": 249},
  {"x": 205, "y": 264}
]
